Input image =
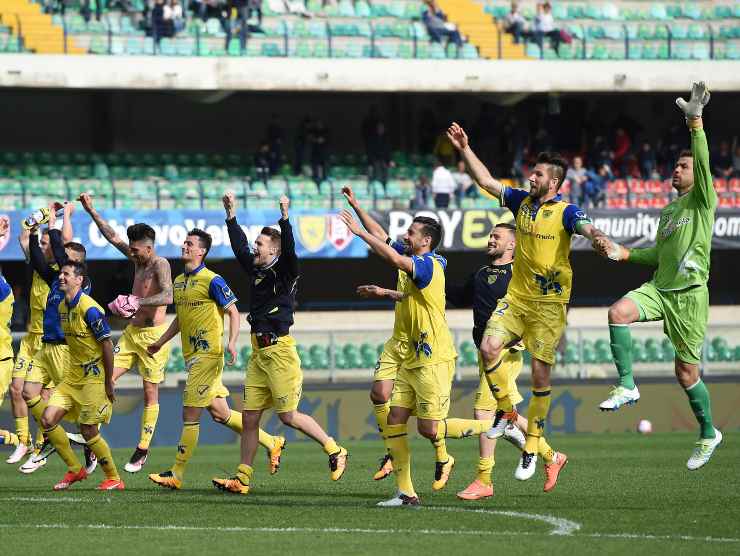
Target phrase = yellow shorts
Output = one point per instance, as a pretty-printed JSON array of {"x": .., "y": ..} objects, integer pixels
[
  {"x": 6, "y": 375},
  {"x": 131, "y": 351},
  {"x": 425, "y": 390},
  {"x": 204, "y": 381},
  {"x": 30, "y": 344},
  {"x": 391, "y": 360},
  {"x": 540, "y": 325},
  {"x": 512, "y": 365},
  {"x": 274, "y": 377},
  {"x": 49, "y": 365},
  {"x": 86, "y": 404}
]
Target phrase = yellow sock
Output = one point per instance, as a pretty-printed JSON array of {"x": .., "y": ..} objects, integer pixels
[
  {"x": 22, "y": 430},
  {"x": 58, "y": 437},
  {"x": 440, "y": 450},
  {"x": 234, "y": 422},
  {"x": 381, "y": 415},
  {"x": 500, "y": 387},
  {"x": 266, "y": 439},
  {"x": 148, "y": 423},
  {"x": 244, "y": 473},
  {"x": 331, "y": 447},
  {"x": 398, "y": 445},
  {"x": 39, "y": 437},
  {"x": 485, "y": 467},
  {"x": 544, "y": 450},
  {"x": 185, "y": 448},
  {"x": 102, "y": 451},
  {"x": 461, "y": 428},
  {"x": 36, "y": 406},
  {"x": 539, "y": 406}
]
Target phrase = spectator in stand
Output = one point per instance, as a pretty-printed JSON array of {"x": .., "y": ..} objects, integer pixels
[
  {"x": 19, "y": 320},
  {"x": 647, "y": 161},
  {"x": 86, "y": 11},
  {"x": 299, "y": 144},
  {"x": 421, "y": 193},
  {"x": 443, "y": 185},
  {"x": 379, "y": 155},
  {"x": 159, "y": 25},
  {"x": 596, "y": 186},
  {"x": 177, "y": 16},
  {"x": 722, "y": 163},
  {"x": 622, "y": 146},
  {"x": 263, "y": 162},
  {"x": 369, "y": 125},
  {"x": 514, "y": 23},
  {"x": 238, "y": 10},
  {"x": 544, "y": 26},
  {"x": 318, "y": 141},
  {"x": 255, "y": 7},
  {"x": 443, "y": 149},
  {"x": 275, "y": 135},
  {"x": 577, "y": 176},
  {"x": 464, "y": 186},
  {"x": 437, "y": 25}
]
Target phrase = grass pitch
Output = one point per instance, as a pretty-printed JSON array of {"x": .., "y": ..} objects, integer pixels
[{"x": 620, "y": 493}]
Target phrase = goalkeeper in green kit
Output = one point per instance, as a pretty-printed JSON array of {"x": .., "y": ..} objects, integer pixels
[{"x": 678, "y": 292}]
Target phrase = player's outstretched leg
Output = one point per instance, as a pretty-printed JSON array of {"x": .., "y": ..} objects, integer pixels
[
  {"x": 699, "y": 400},
  {"x": 482, "y": 486},
  {"x": 621, "y": 314},
  {"x": 172, "y": 478},
  {"x": 554, "y": 462}
]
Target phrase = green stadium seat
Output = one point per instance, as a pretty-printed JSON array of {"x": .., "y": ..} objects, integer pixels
[{"x": 658, "y": 11}]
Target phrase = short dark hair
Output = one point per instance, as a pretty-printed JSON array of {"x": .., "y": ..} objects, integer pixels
[
  {"x": 204, "y": 237},
  {"x": 80, "y": 269},
  {"x": 431, "y": 228},
  {"x": 509, "y": 226},
  {"x": 272, "y": 233},
  {"x": 686, "y": 153},
  {"x": 141, "y": 231},
  {"x": 559, "y": 166},
  {"x": 77, "y": 248}
]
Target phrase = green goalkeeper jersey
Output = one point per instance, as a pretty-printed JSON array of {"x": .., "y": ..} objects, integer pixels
[{"x": 684, "y": 238}]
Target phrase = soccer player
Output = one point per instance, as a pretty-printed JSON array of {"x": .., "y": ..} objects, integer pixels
[
  {"x": 395, "y": 352},
  {"x": 424, "y": 381},
  {"x": 201, "y": 299},
  {"x": 535, "y": 303},
  {"x": 274, "y": 377},
  {"x": 677, "y": 293},
  {"x": 6, "y": 339},
  {"x": 86, "y": 392},
  {"x": 52, "y": 359},
  {"x": 482, "y": 290},
  {"x": 147, "y": 308}
]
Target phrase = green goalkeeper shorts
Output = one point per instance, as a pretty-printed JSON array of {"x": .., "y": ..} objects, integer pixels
[{"x": 684, "y": 314}]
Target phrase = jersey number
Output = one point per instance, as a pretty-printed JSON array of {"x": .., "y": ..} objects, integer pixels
[{"x": 501, "y": 308}]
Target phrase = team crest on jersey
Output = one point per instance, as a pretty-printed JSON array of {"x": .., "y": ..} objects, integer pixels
[
  {"x": 547, "y": 213},
  {"x": 226, "y": 290},
  {"x": 312, "y": 232},
  {"x": 492, "y": 278},
  {"x": 91, "y": 368}
]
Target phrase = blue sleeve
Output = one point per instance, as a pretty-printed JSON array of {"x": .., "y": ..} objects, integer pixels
[
  {"x": 5, "y": 289},
  {"x": 423, "y": 270},
  {"x": 513, "y": 198},
  {"x": 221, "y": 293},
  {"x": 398, "y": 247},
  {"x": 572, "y": 215},
  {"x": 97, "y": 323}
]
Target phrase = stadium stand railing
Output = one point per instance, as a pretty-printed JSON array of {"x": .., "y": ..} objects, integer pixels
[
  {"x": 391, "y": 29},
  {"x": 181, "y": 180}
]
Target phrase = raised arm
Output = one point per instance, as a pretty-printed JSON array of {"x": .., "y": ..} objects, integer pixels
[
  {"x": 67, "y": 232},
  {"x": 377, "y": 292},
  {"x": 703, "y": 190},
  {"x": 237, "y": 237},
  {"x": 381, "y": 248},
  {"x": 108, "y": 232},
  {"x": 288, "y": 256},
  {"x": 478, "y": 171},
  {"x": 37, "y": 259},
  {"x": 370, "y": 224},
  {"x": 163, "y": 276},
  {"x": 23, "y": 241}
]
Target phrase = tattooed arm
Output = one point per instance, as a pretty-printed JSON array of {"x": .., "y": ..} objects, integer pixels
[
  {"x": 106, "y": 229},
  {"x": 163, "y": 276}
]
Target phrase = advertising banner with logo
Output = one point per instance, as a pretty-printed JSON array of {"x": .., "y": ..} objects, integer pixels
[
  {"x": 318, "y": 233},
  {"x": 468, "y": 230}
]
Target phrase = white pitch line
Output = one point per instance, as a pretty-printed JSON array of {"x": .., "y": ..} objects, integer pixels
[{"x": 561, "y": 526}]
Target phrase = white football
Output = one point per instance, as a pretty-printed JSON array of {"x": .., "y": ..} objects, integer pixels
[{"x": 644, "y": 426}]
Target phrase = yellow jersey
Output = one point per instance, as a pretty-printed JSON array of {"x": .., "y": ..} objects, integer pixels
[
  {"x": 39, "y": 293},
  {"x": 426, "y": 321},
  {"x": 542, "y": 271},
  {"x": 200, "y": 299},
  {"x": 85, "y": 326},
  {"x": 400, "y": 312},
  {"x": 6, "y": 313}
]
